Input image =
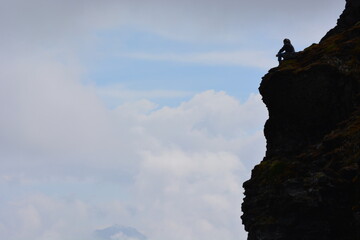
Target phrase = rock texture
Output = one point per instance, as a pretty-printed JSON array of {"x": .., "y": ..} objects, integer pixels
[{"x": 308, "y": 185}]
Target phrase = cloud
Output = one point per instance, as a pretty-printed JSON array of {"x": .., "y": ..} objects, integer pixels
[
  {"x": 117, "y": 232},
  {"x": 67, "y": 29},
  {"x": 247, "y": 58},
  {"x": 41, "y": 217},
  {"x": 201, "y": 188},
  {"x": 199, "y": 172},
  {"x": 73, "y": 165},
  {"x": 116, "y": 94},
  {"x": 49, "y": 23}
]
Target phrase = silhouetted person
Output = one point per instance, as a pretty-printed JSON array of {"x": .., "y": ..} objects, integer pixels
[{"x": 286, "y": 52}]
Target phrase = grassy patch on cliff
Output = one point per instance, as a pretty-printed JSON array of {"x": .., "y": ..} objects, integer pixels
[
  {"x": 275, "y": 170},
  {"x": 341, "y": 50}
]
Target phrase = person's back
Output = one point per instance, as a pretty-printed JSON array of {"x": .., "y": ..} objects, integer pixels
[{"x": 287, "y": 51}]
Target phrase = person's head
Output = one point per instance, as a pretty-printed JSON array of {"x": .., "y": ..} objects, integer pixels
[{"x": 287, "y": 41}]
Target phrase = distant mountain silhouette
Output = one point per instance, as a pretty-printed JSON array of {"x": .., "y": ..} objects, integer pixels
[{"x": 117, "y": 232}]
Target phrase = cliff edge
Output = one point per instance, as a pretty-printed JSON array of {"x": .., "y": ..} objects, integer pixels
[{"x": 308, "y": 185}]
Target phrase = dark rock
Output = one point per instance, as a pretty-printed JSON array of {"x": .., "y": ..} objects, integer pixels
[
  {"x": 308, "y": 185},
  {"x": 348, "y": 18}
]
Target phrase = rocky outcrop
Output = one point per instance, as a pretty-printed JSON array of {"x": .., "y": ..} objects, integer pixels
[
  {"x": 308, "y": 184},
  {"x": 348, "y": 18}
]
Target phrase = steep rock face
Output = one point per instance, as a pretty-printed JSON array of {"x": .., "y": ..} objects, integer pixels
[
  {"x": 308, "y": 185},
  {"x": 348, "y": 18}
]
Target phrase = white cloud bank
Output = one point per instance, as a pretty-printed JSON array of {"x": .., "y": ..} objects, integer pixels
[{"x": 70, "y": 165}]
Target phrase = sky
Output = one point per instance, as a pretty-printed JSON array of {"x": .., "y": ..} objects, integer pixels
[{"x": 143, "y": 114}]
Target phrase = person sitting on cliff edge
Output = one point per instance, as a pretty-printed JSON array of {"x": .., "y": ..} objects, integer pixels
[{"x": 286, "y": 52}]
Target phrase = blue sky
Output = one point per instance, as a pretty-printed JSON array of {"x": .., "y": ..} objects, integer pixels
[
  {"x": 144, "y": 61},
  {"x": 144, "y": 114}
]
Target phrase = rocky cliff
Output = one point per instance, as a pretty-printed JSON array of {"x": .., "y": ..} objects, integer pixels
[{"x": 308, "y": 185}]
